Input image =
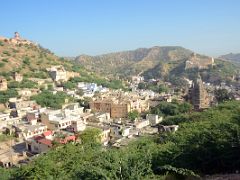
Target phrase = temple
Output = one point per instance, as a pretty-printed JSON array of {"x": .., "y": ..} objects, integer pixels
[{"x": 198, "y": 95}]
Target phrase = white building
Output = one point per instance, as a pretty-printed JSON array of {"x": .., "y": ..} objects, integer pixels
[
  {"x": 141, "y": 124},
  {"x": 71, "y": 117},
  {"x": 154, "y": 119},
  {"x": 28, "y": 131}
]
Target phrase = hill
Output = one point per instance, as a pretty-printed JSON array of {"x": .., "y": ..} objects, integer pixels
[
  {"x": 32, "y": 60},
  {"x": 23, "y": 56},
  {"x": 132, "y": 62},
  {"x": 231, "y": 57},
  {"x": 167, "y": 63}
]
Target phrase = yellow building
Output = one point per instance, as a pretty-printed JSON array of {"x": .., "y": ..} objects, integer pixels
[{"x": 117, "y": 108}]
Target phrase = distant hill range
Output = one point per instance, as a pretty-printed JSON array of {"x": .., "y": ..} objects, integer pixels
[
  {"x": 167, "y": 63},
  {"x": 231, "y": 57}
]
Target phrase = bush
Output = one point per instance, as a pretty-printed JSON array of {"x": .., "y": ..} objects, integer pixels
[
  {"x": 2, "y": 64},
  {"x": 6, "y": 53},
  {"x": 69, "y": 85},
  {"x": 5, "y": 95},
  {"x": 26, "y": 61},
  {"x": 48, "y": 99},
  {"x": 24, "y": 84},
  {"x": 5, "y": 60},
  {"x": 133, "y": 115},
  {"x": 171, "y": 109}
]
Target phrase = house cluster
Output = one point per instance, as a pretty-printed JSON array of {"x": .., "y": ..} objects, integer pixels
[
  {"x": 41, "y": 128},
  {"x": 38, "y": 129},
  {"x": 89, "y": 89},
  {"x": 119, "y": 103}
]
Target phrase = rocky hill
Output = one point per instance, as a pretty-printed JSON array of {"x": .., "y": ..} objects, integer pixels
[
  {"x": 32, "y": 61},
  {"x": 231, "y": 57},
  {"x": 132, "y": 62},
  {"x": 168, "y": 63},
  {"x": 23, "y": 56}
]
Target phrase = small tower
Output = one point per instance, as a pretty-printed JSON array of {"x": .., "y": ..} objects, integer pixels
[{"x": 17, "y": 36}]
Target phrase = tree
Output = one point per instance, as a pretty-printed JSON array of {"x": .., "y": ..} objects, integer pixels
[
  {"x": 133, "y": 115},
  {"x": 185, "y": 107},
  {"x": 5, "y": 95},
  {"x": 50, "y": 87},
  {"x": 141, "y": 85},
  {"x": 26, "y": 61},
  {"x": 168, "y": 109},
  {"x": 223, "y": 95},
  {"x": 48, "y": 99},
  {"x": 24, "y": 84},
  {"x": 90, "y": 136},
  {"x": 5, "y": 174},
  {"x": 69, "y": 85}
]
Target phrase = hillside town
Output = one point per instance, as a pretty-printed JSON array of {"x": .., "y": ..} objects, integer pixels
[
  {"x": 35, "y": 130},
  {"x": 120, "y": 90}
]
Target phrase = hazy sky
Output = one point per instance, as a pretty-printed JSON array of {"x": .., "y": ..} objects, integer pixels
[{"x": 73, "y": 27}]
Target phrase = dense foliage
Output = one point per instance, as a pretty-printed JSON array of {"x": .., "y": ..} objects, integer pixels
[
  {"x": 171, "y": 109},
  {"x": 24, "y": 84},
  {"x": 48, "y": 99},
  {"x": 159, "y": 88},
  {"x": 222, "y": 95},
  {"x": 133, "y": 115},
  {"x": 5, "y": 95},
  {"x": 206, "y": 143}
]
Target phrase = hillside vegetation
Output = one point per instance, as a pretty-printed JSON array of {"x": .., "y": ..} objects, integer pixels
[
  {"x": 26, "y": 58},
  {"x": 31, "y": 60},
  {"x": 132, "y": 62}
]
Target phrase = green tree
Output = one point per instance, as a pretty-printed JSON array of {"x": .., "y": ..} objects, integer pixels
[
  {"x": 90, "y": 136},
  {"x": 50, "y": 87},
  {"x": 48, "y": 99},
  {"x": 26, "y": 61},
  {"x": 223, "y": 95},
  {"x": 141, "y": 86},
  {"x": 133, "y": 115},
  {"x": 5, "y": 174},
  {"x": 5, "y": 95},
  {"x": 69, "y": 85}
]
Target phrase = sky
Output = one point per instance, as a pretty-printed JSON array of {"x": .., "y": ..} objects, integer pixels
[{"x": 93, "y": 27}]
